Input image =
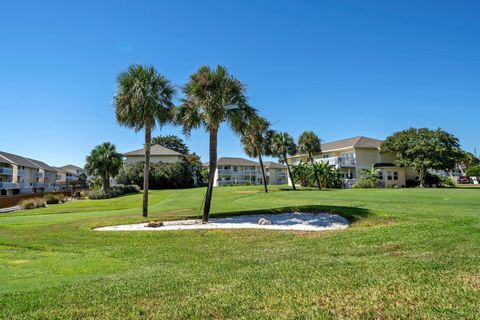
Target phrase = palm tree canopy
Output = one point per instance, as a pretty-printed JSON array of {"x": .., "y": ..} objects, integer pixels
[
  {"x": 309, "y": 142},
  {"x": 257, "y": 137},
  {"x": 143, "y": 95},
  {"x": 283, "y": 144},
  {"x": 104, "y": 161},
  {"x": 213, "y": 97}
]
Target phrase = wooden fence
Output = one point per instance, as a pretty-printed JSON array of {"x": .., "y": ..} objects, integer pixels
[{"x": 10, "y": 201}]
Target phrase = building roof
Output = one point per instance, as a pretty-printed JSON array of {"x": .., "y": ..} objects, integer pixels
[
  {"x": 18, "y": 160},
  {"x": 356, "y": 142},
  {"x": 42, "y": 165},
  {"x": 155, "y": 150},
  {"x": 231, "y": 161},
  {"x": 274, "y": 165},
  {"x": 70, "y": 168}
]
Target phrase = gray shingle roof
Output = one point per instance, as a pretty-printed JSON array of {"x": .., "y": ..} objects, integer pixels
[
  {"x": 156, "y": 150},
  {"x": 356, "y": 142},
  {"x": 71, "y": 168},
  {"x": 18, "y": 160},
  {"x": 231, "y": 161},
  {"x": 274, "y": 165},
  {"x": 42, "y": 165}
]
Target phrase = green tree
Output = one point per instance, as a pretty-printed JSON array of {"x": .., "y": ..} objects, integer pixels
[
  {"x": 256, "y": 140},
  {"x": 105, "y": 162},
  {"x": 301, "y": 174},
  {"x": 172, "y": 142},
  {"x": 213, "y": 97},
  {"x": 283, "y": 145},
  {"x": 143, "y": 101},
  {"x": 309, "y": 143},
  {"x": 371, "y": 176},
  {"x": 322, "y": 172},
  {"x": 423, "y": 149},
  {"x": 473, "y": 171}
]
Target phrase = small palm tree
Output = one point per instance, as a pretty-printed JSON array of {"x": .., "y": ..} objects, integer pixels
[
  {"x": 283, "y": 145},
  {"x": 309, "y": 143},
  {"x": 143, "y": 101},
  {"x": 213, "y": 97},
  {"x": 256, "y": 140},
  {"x": 371, "y": 176},
  {"x": 322, "y": 171},
  {"x": 105, "y": 162},
  {"x": 302, "y": 174}
]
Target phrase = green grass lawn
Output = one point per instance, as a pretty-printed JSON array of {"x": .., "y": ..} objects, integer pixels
[{"x": 409, "y": 253}]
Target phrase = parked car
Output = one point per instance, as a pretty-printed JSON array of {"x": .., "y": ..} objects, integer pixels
[{"x": 463, "y": 180}]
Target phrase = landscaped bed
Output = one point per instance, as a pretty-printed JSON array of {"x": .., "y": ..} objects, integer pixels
[{"x": 296, "y": 221}]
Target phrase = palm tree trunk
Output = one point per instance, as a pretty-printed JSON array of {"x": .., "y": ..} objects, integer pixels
[
  {"x": 148, "y": 143},
  {"x": 211, "y": 174},
  {"x": 263, "y": 172},
  {"x": 289, "y": 172},
  {"x": 314, "y": 171},
  {"x": 421, "y": 175}
]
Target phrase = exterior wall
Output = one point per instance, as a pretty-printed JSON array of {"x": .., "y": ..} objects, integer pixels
[
  {"x": 231, "y": 174},
  {"x": 153, "y": 159},
  {"x": 365, "y": 158},
  {"x": 389, "y": 175},
  {"x": 276, "y": 176}
]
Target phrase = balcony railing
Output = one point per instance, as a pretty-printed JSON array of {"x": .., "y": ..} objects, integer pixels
[
  {"x": 6, "y": 171},
  {"x": 339, "y": 161},
  {"x": 40, "y": 185},
  {"x": 21, "y": 173},
  {"x": 9, "y": 185},
  {"x": 39, "y": 175}
]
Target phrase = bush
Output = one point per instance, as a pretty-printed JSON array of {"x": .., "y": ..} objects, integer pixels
[
  {"x": 473, "y": 171},
  {"x": 54, "y": 198},
  {"x": 362, "y": 184},
  {"x": 33, "y": 203},
  {"x": 161, "y": 176},
  {"x": 115, "y": 191}
]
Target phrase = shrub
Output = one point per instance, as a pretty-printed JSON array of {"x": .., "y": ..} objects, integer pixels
[
  {"x": 54, "y": 198},
  {"x": 113, "y": 192},
  {"x": 473, "y": 171},
  {"x": 161, "y": 175},
  {"x": 363, "y": 184},
  {"x": 33, "y": 203}
]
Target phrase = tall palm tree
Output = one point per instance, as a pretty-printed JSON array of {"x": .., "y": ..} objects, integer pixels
[
  {"x": 283, "y": 145},
  {"x": 143, "y": 101},
  {"x": 309, "y": 143},
  {"x": 105, "y": 162},
  {"x": 212, "y": 97},
  {"x": 256, "y": 140}
]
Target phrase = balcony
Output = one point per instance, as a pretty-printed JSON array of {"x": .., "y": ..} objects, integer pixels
[
  {"x": 6, "y": 171},
  {"x": 40, "y": 185},
  {"x": 39, "y": 175},
  {"x": 21, "y": 173},
  {"x": 9, "y": 185},
  {"x": 339, "y": 162}
]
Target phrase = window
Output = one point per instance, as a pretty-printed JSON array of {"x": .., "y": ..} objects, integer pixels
[
  {"x": 235, "y": 168},
  {"x": 389, "y": 175},
  {"x": 395, "y": 176},
  {"x": 380, "y": 175}
]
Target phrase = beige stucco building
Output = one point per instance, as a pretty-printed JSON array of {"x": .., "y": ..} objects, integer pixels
[
  {"x": 352, "y": 155},
  {"x": 238, "y": 171},
  {"x": 158, "y": 154}
]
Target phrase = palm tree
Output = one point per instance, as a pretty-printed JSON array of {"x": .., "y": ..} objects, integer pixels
[
  {"x": 105, "y": 162},
  {"x": 302, "y": 173},
  {"x": 213, "y": 97},
  {"x": 283, "y": 145},
  {"x": 143, "y": 101},
  {"x": 371, "y": 176},
  {"x": 322, "y": 171},
  {"x": 309, "y": 143},
  {"x": 256, "y": 141}
]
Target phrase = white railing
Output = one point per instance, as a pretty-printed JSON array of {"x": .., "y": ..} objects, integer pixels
[
  {"x": 9, "y": 185},
  {"x": 21, "y": 173},
  {"x": 339, "y": 161},
  {"x": 40, "y": 185},
  {"x": 6, "y": 171},
  {"x": 348, "y": 183},
  {"x": 39, "y": 175}
]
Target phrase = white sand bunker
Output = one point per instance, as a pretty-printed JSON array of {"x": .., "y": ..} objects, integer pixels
[{"x": 284, "y": 221}]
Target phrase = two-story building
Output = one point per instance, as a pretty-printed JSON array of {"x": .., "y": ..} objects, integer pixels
[
  {"x": 353, "y": 155},
  {"x": 238, "y": 171},
  {"x": 158, "y": 154},
  {"x": 68, "y": 174}
]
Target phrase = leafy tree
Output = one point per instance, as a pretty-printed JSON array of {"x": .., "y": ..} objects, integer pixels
[
  {"x": 423, "y": 149},
  {"x": 370, "y": 176},
  {"x": 473, "y": 171},
  {"x": 105, "y": 162},
  {"x": 172, "y": 142},
  {"x": 256, "y": 140},
  {"x": 213, "y": 97},
  {"x": 301, "y": 174},
  {"x": 322, "y": 172},
  {"x": 283, "y": 145},
  {"x": 143, "y": 101},
  {"x": 469, "y": 159},
  {"x": 309, "y": 143},
  {"x": 161, "y": 175}
]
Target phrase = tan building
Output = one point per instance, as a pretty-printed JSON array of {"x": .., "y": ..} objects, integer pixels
[
  {"x": 238, "y": 171},
  {"x": 20, "y": 175},
  {"x": 68, "y": 175},
  {"x": 158, "y": 154},
  {"x": 352, "y": 155}
]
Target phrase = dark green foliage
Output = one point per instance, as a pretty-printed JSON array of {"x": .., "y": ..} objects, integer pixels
[
  {"x": 54, "y": 198},
  {"x": 104, "y": 162},
  {"x": 161, "y": 175},
  {"x": 304, "y": 174},
  {"x": 113, "y": 192},
  {"x": 423, "y": 149},
  {"x": 172, "y": 142}
]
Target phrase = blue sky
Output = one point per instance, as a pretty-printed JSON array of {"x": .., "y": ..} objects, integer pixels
[{"x": 339, "y": 68}]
